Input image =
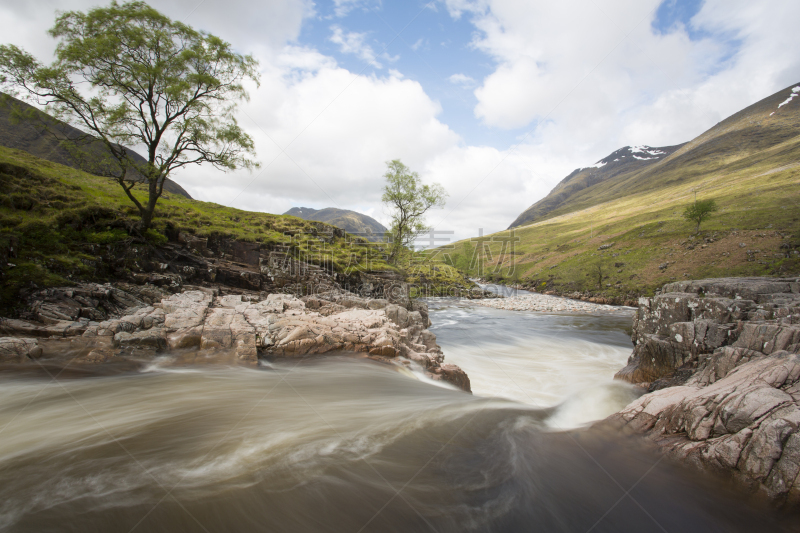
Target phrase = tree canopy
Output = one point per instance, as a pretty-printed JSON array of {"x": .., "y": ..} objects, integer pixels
[
  {"x": 132, "y": 77},
  {"x": 409, "y": 200},
  {"x": 699, "y": 211}
]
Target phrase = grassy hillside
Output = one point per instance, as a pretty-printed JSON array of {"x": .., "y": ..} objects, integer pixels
[
  {"x": 52, "y": 217},
  {"x": 55, "y": 220},
  {"x": 749, "y": 163}
]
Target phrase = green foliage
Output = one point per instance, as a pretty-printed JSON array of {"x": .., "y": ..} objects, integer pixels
[
  {"x": 154, "y": 237},
  {"x": 409, "y": 200},
  {"x": 131, "y": 76},
  {"x": 430, "y": 276},
  {"x": 699, "y": 211},
  {"x": 108, "y": 237},
  {"x": 597, "y": 272}
]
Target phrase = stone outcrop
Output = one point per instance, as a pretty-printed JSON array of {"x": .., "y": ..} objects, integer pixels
[
  {"x": 721, "y": 361},
  {"x": 238, "y": 328},
  {"x": 690, "y": 319}
]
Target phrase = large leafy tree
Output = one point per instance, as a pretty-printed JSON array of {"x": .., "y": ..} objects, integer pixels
[
  {"x": 409, "y": 200},
  {"x": 131, "y": 77}
]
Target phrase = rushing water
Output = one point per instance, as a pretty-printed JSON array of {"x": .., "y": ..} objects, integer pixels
[
  {"x": 346, "y": 444},
  {"x": 545, "y": 360}
]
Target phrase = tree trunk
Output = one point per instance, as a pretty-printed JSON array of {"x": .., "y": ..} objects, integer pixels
[{"x": 148, "y": 209}]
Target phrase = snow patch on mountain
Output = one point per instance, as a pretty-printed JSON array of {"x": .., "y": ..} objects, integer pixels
[
  {"x": 795, "y": 92},
  {"x": 646, "y": 150}
]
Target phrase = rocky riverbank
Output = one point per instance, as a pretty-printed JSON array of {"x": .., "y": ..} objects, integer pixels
[
  {"x": 96, "y": 324},
  {"x": 550, "y": 304},
  {"x": 720, "y": 359}
]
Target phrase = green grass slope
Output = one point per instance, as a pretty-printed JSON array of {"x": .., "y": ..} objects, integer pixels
[{"x": 625, "y": 236}]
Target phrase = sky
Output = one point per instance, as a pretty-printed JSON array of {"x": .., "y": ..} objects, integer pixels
[{"x": 497, "y": 100}]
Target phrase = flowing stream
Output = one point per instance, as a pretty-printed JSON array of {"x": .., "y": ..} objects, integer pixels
[
  {"x": 346, "y": 444},
  {"x": 545, "y": 360}
]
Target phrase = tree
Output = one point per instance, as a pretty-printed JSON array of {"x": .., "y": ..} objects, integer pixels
[
  {"x": 597, "y": 271},
  {"x": 699, "y": 211},
  {"x": 131, "y": 76},
  {"x": 409, "y": 201}
]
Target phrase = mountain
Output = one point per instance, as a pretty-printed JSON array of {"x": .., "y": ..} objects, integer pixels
[
  {"x": 758, "y": 127},
  {"x": 350, "y": 221},
  {"x": 616, "y": 230},
  {"x": 624, "y": 161},
  {"x": 42, "y": 136}
]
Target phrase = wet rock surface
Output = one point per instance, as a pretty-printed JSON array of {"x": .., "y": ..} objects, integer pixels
[{"x": 721, "y": 360}]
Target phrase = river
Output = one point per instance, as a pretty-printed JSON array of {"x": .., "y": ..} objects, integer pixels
[{"x": 346, "y": 444}]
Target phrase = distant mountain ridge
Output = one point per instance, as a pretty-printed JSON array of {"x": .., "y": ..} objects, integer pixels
[
  {"x": 635, "y": 168},
  {"x": 44, "y": 136},
  {"x": 350, "y": 221}
]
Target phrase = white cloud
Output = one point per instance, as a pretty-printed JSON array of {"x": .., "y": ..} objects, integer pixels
[
  {"x": 603, "y": 75},
  {"x": 343, "y": 7},
  {"x": 353, "y": 43},
  {"x": 461, "y": 79}
]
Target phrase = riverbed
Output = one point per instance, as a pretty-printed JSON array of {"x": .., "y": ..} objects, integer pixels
[{"x": 341, "y": 443}]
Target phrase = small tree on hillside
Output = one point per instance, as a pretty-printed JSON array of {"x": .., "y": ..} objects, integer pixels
[
  {"x": 699, "y": 211},
  {"x": 133, "y": 77},
  {"x": 598, "y": 273},
  {"x": 409, "y": 201}
]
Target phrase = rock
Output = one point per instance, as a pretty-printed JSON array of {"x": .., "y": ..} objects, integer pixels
[
  {"x": 742, "y": 422},
  {"x": 724, "y": 354},
  {"x": 209, "y": 324},
  {"x": 550, "y": 303},
  {"x": 454, "y": 375},
  {"x": 19, "y": 349},
  {"x": 692, "y": 318},
  {"x": 152, "y": 339},
  {"x": 63, "y": 328},
  {"x": 397, "y": 314},
  {"x": 189, "y": 337}
]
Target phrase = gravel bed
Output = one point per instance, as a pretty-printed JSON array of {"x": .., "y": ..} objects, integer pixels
[{"x": 555, "y": 304}]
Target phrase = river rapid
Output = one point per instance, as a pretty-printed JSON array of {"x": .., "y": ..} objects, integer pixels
[{"x": 347, "y": 444}]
